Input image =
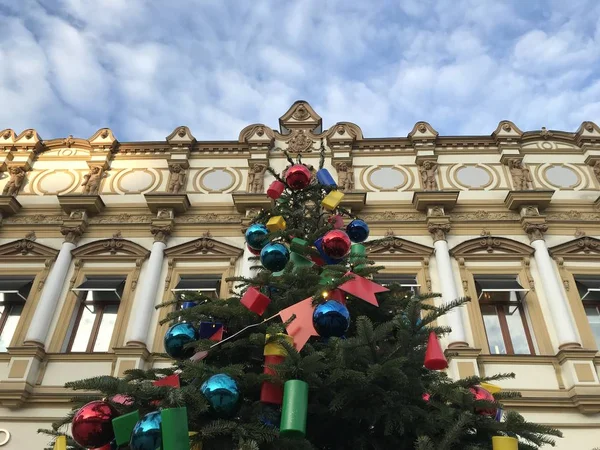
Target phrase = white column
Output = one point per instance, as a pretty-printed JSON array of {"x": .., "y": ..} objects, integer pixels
[
  {"x": 47, "y": 305},
  {"x": 449, "y": 291},
  {"x": 145, "y": 299},
  {"x": 557, "y": 302}
]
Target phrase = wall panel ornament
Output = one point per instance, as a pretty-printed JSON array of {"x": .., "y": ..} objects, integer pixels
[
  {"x": 136, "y": 181},
  {"x": 387, "y": 178},
  {"x": 222, "y": 179},
  {"x": 473, "y": 177},
  {"x": 55, "y": 182},
  {"x": 562, "y": 176}
]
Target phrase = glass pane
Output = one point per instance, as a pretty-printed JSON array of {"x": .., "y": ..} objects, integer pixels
[
  {"x": 107, "y": 325},
  {"x": 593, "y": 316},
  {"x": 84, "y": 329},
  {"x": 14, "y": 314},
  {"x": 516, "y": 330},
  {"x": 493, "y": 330}
]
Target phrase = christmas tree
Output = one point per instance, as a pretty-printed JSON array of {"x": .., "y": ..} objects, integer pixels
[{"x": 311, "y": 353}]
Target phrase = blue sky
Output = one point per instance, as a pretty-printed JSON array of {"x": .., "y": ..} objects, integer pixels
[{"x": 143, "y": 67}]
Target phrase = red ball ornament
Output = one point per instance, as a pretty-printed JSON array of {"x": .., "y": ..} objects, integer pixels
[
  {"x": 336, "y": 244},
  {"x": 92, "y": 425},
  {"x": 298, "y": 177},
  {"x": 480, "y": 393},
  {"x": 254, "y": 252}
]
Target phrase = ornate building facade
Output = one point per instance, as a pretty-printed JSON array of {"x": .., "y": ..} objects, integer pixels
[{"x": 94, "y": 233}]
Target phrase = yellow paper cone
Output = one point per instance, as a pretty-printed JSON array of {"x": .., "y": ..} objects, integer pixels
[
  {"x": 491, "y": 388},
  {"x": 505, "y": 443},
  {"x": 60, "y": 443}
]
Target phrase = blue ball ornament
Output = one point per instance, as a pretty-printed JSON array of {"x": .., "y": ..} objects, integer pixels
[
  {"x": 274, "y": 257},
  {"x": 147, "y": 433},
  {"x": 222, "y": 393},
  {"x": 177, "y": 337},
  {"x": 256, "y": 236},
  {"x": 358, "y": 230},
  {"x": 331, "y": 319}
]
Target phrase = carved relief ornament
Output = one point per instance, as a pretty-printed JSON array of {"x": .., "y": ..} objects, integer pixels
[{"x": 300, "y": 142}]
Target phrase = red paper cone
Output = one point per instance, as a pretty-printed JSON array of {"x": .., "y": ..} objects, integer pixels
[{"x": 434, "y": 357}]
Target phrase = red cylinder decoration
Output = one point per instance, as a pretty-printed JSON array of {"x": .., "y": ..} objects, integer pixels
[
  {"x": 434, "y": 357},
  {"x": 298, "y": 177},
  {"x": 254, "y": 252},
  {"x": 271, "y": 392},
  {"x": 337, "y": 295},
  {"x": 275, "y": 189}
]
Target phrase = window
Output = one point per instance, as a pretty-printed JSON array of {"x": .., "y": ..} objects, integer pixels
[
  {"x": 13, "y": 294},
  {"x": 95, "y": 319},
  {"x": 409, "y": 282},
  {"x": 589, "y": 292},
  {"x": 207, "y": 285},
  {"x": 501, "y": 303}
]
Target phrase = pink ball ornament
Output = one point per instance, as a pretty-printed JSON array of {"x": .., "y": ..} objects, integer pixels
[{"x": 336, "y": 244}]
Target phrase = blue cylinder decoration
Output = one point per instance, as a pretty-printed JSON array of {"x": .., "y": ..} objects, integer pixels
[
  {"x": 274, "y": 257},
  {"x": 186, "y": 305},
  {"x": 331, "y": 319},
  {"x": 147, "y": 433},
  {"x": 176, "y": 339},
  {"x": 324, "y": 257},
  {"x": 358, "y": 230},
  {"x": 256, "y": 236},
  {"x": 222, "y": 393},
  {"x": 325, "y": 178}
]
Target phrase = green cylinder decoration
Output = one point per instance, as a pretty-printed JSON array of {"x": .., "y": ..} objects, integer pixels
[
  {"x": 357, "y": 251},
  {"x": 294, "y": 409}
]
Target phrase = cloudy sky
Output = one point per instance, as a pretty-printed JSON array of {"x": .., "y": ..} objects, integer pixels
[{"x": 143, "y": 67}]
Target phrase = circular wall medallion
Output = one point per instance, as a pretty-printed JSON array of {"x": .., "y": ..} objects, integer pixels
[
  {"x": 561, "y": 176},
  {"x": 387, "y": 178},
  {"x": 4, "y": 437},
  {"x": 136, "y": 181},
  {"x": 217, "y": 180},
  {"x": 473, "y": 176}
]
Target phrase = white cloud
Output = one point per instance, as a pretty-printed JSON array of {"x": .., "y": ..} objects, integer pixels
[{"x": 144, "y": 68}]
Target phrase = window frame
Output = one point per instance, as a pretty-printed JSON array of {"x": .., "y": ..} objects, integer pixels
[
  {"x": 101, "y": 305},
  {"x": 26, "y": 303},
  {"x": 499, "y": 306},
  {"x": 577, "y": 277}
]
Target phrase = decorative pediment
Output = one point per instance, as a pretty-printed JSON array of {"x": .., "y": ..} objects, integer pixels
[
  {"x": 7, "y": 138},
  {"x": 491, "y": 247},
  {"x": 27, "y": 249},
  {"x": 112, "y": 249},
  {"x": 300, "y": 115},
  {"x": 584, "y": 247},
  {"x": 257, "y": 134},
  {"x": 103, "y": 139},
  {"x": 588, "y": 132},
  {"x": 343, "y": 132},
  {"x": 181, "y": 136},
  {"x": 422, "y": 131},
  {"x": 204, "y": 247},
  {"x": 506, "y": 130},
  {"x": 29, "y": 140},
  {"x": 394, "y": 247}
]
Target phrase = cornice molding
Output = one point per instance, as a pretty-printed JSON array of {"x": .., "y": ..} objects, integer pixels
[
  {"x": 111, "y": 249},
  {"x": 491, "y": 248},
  {"x": 204, "y": 247},
  {"x": 583, "y": 248}
]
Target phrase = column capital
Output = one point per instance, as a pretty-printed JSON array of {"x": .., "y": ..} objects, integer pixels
[
  {"x": 535, "y": 227},
  {"x": 73, "y": 230},
  {"x": 161, "y": 230},
  {"x": 438, "y": 229}
]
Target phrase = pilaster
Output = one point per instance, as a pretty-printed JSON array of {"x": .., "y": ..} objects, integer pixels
[{"x": 23, "y": 370}]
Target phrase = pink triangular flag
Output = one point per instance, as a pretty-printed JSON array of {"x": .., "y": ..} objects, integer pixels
[
  {"x": 301, "y": 328},
  {"x": 362, "y": 288}
]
